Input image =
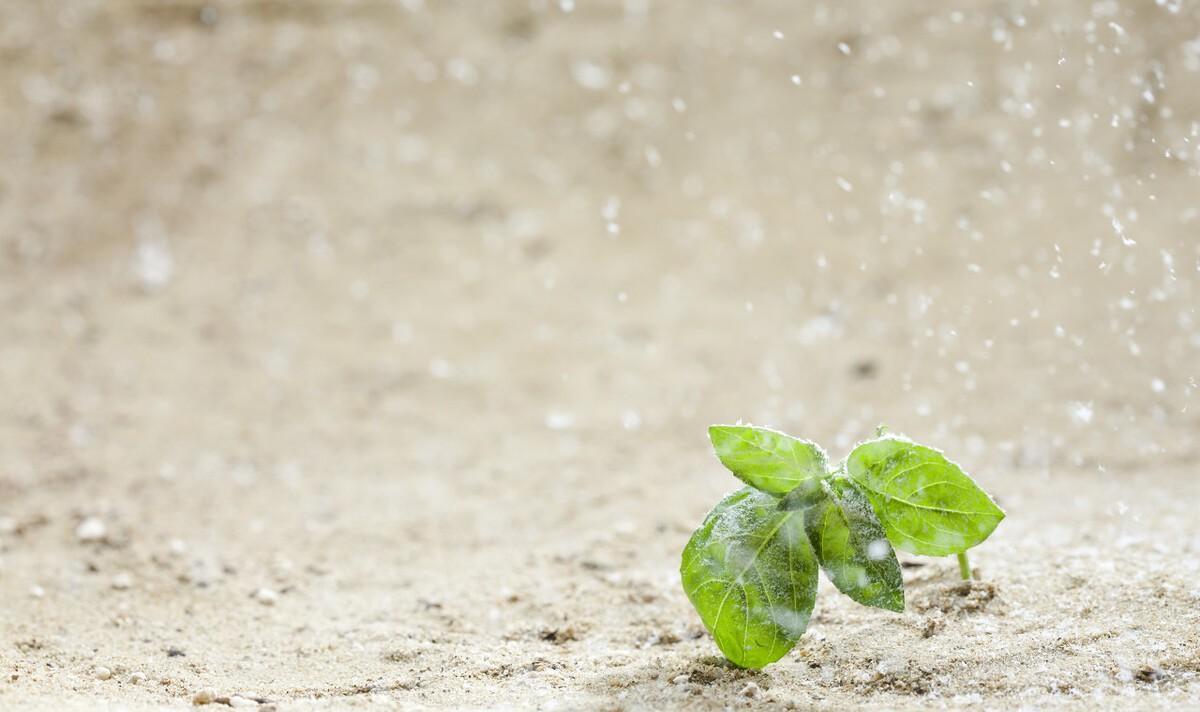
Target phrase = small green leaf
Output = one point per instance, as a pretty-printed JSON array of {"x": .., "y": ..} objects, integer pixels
[
  {"x": 926, "y": 503},
  {"x": 767, "y": 459},
  {"x": 853, "y": 549},
  {"x": 751, "y": 574}
]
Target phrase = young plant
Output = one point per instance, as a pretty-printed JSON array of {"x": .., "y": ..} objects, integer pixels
[{"x": 751, "y": 568}]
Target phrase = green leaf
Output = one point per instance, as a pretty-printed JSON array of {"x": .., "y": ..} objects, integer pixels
[
  {"x": 751, "y": 574},
  {"x": 767, "y": 459},
  {"x": 926, "y": 503},
  {"x": 853, "y": 549}
]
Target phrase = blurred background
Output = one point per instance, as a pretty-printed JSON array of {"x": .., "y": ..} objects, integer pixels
[{"x": 383, "y": 298}]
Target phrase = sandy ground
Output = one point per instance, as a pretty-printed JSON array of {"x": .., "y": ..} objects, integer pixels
[{"x": 359, "y": 355}]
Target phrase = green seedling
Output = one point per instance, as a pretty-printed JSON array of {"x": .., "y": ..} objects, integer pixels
[{"x": 751, "y": 568}]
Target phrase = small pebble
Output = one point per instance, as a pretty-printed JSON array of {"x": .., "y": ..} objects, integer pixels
[
  {"x": 122, "y": 581},
  {"x": 102, "y": 673},
  {"x": 37, "y": 591},
  {"x": 91, "y": 529},
  {"x": 1148, "y": 673},
  {"x": 239, "y": 701},
  {"x": 681, "y": 679},
  {"x": 204, "y": 697},
  {"x": 266, "y": 596},
  {"x": 137, "y": 678},
  {"x": 751, "y": 690}
]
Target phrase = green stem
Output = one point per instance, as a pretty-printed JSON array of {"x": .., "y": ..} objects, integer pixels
[{"x": 964, "y": 566}]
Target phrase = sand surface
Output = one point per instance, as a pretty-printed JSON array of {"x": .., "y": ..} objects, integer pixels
[{"x": 360, "y": 354}]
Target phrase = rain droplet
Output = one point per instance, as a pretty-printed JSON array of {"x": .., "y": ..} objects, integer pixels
[{"x": 560, "y": 420}]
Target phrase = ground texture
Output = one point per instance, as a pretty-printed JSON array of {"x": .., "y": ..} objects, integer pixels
[{"x": 360, "y": 354}]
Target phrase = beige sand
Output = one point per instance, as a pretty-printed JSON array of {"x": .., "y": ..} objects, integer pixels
[{"x": 359, "y": 355}]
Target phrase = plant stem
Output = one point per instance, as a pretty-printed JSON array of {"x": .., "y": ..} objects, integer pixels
[{"x": 964, "y": 566}]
